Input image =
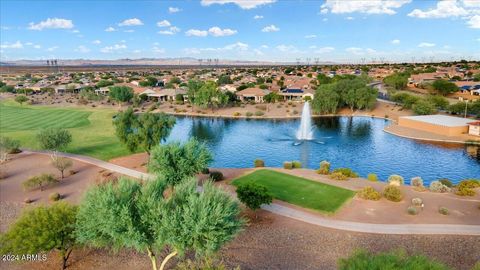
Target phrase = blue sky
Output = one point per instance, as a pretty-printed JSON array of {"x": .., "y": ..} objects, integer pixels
[{"x": 330, "y": 30}]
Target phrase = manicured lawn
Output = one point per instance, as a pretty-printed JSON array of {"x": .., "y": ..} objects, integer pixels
[
  {"x": 92, "y": 130},
  {"x": 299, "y": 191}
]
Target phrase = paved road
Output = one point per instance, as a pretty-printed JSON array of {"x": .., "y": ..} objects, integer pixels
[{"x": 305, "y": 216}]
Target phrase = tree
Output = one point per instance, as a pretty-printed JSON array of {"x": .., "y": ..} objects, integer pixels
[
  {"x": 325, "y": 100},
  {"x": 54, "y": 139},
  {"x": 444, "y": 87},
  {"x": 272, "y": 97},
  {"x": 150, "y": 81},
  {"x": 193, "y": 88},
  {"x": 142, "y": 131},
  {"x": 103, "y": 83},
  {"x": 21, "y": 99},
  {"x": 423, "y": 107},
  {"x": 254, "y": 195},
  {"x": 209, "y": 96},
  {"x": 397, "y": 80},
  {"x": 42, "y": 229},
  {"x": 175, "y": 161},
  {"x": 366, "y": 97},
  {"x": 39, "y": 181},
  {"x": 323, "y": 79},
  {"x": 8, "y": 146},
  {"x": 121, "y": 93},
  {"x": 224, "y": 79},
  {"x": 130, "y": 214},
  {"x": 438, "y": 101},
  {"x": 61, "y": 164}
]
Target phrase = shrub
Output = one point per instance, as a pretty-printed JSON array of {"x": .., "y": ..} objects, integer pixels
[
  {"x": 417, "y": 201},
  {"x": 205, "y": 171},
  {"x": 392, "y": 193},
  {"x": 248, "y": 114},
  {"x": 369, "y": 193},
  {"x": 55, "y": 196},
  {"x": 261, "y": 107},
  {"x": 254, "y": 195},
  {"x": 469, "y": 183},
  {"x": 296, "y": 164},
  {"x": 446, "y": 182},
  {"x": 259, "y": 113},
  {"x": 443, "y": 210},
  {"x": 39, "y": 181},
  {"x": 338, "y": 176},
  {"x": 236, "y": 114},
  {"x": 436, "y": 186},
  {"x": 412, "y": 210},
  {"x": 258, "y": 163},
  {"x": 324, "y": 167},
  {"x": 416, "y": 181},
  {"x": 465, "y": 192},
  {"x": 346, "y": 171},
  {"x": 395, "y": 180},
  {"x": 372, "y": 177},
  {"x": 216, "y": 176},
  {"x": 287, "y": 165},
  {"x": 27, "y": 200}
]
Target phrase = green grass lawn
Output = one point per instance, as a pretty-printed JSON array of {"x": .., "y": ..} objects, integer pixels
[
  {"x": 92, "y": 130},
  {"x": 299, "y": 191}
]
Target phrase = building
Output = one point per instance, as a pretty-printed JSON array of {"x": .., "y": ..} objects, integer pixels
[
  {"x": 438, "y": 124},
  {"x": 252, "y": 94},
  {"x": 474, "y": 128},
  {"x": 165, "y": 94},
  {"x": 296, "y": 94}
]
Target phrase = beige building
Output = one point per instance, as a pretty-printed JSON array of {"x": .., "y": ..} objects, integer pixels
[
  {"x": 474, "y": 128},
  {"x": 438, "y": 124}
]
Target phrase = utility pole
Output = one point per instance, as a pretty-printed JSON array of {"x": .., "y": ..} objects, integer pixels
[{"x": 466, "y": 108}]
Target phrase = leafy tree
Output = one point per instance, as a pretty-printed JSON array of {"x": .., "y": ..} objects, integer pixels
[
  {"x": 323, "y": 79},
  {"x": 439, "y": 102},
  {"x": 397, "y": 80},
  {"x": 254, "y": 195},
  {"x": 272, "y": 97},
  {"x": 8, "y": 146},
  {"x": 224, "y": 79},
  {"x": 7, "y": 89},
  {"x": 444, "y": 87},
  {"x": 134, "y": 215},
  {"x": 476, "y": 77},
  {"x": 175, "y": 161},
  {"x": 209, "y": 96},
  {"x": 39, "y": 181},
  {"x": 42, "y": 229},
  {"x": 405, "y": 99},
  {"x": 149, "y": 81},
  {"x": 61, "y": 164},
  {"x": 103, "y": 83},
  {"x": 54, "y": 139},
  {"x": 193, "y": 87},
  {"x": 366, "y": 97},
  {"x": 142, "y": 131},
  {"x": 326, "y": 99},
  {"x": 175, "y": 80},
  {"x": 121, "y": 93},
  {"x": 423, "y": 107},
  {"x": 21, "y": 99}
]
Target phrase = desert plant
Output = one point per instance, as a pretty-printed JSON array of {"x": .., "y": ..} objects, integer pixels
[
  {"x": 248, "y": 114},
  {"x": 55, "y": 196},
  {"x": 446, "y": 182},
  {"x": 236, "y": 114},
  {"x": 372, "y": 177},
  {"x": 287, "y": 165},
  {"x": 392, "y": 193},
  {"x": 254, "y": 195},
  {"x": 437, "y": 186},
  {"x": 258, "y": 163},
  {"x": 216, "y": 176},
  {"x": 259, "y": 113},
  {"x": 346, "y": 171},
  {"x": 296, "y": 164},
  {"x": 416, "y": 181},
  {"x": 417, "y": 202},
  {"x": 412, "y": 210},
  {"x": 369, "y": 193},
  {"x": 39, "y": 181},
  {"x": 205, "y": 171},
  {"x": 465, "y": 192},
  {"x": 338, "y": 176},
  {"x": 61, "y": 164},
  {"x": 324, "y": 167},
  {"x": 395, "y": 180},
  {"x": 443, "y": 210}
]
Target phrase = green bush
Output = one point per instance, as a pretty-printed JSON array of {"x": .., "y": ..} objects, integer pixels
[
  {"x": 205, "y": 171},
  {"x": 287, "y": 165},
  {"x": 416, "y": 181},
  {"x": 324, "y": 167},
  {"x": 446, "y": 182},
  {"x": 216, "y": 176},
  {"x": 395, "y": 179},
  {"x": 258, "y": 163},
  {"x": 372, "y": 177},
  {"x": 338, "y": 176},
  {"x": 259, "y": 113},
  {"x": 443, "y": 210},
  {"x": 39, "y": 181},
  {"x": 296, "y": 164},
  {"x": 469, "y": 183},
  {"x": 392, "y": 260},
  {"x": 248, "y": 114},
  {"x": 437, "y": 186},
  {"x": 346, "y": 171},
  {"x": 369, "y": 193},
  {"x": 254, "y": 195},
  {"x": 412, "y": 210},
  {"x": 465, "y": 192},
  {"x": 392, "y": 193},
  {"x": 55, "y": 196}
]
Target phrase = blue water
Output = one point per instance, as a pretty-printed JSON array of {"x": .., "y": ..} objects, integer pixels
[{"x": 358, "y": 143}]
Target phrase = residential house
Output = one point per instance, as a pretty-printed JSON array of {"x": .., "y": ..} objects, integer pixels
[{"x": 252, "y": 94}]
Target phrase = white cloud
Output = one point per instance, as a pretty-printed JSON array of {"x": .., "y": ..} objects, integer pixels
[
  {"x": 310, "y": 36},
  {"x": 171, "y": 31},
  {"x": 115, "y": 47},
  {"x": 426, "y": 44},
  {"x": 363, "y": 6},
  {"x": 264, "y": 46},
  {"x": 131, "y": 22},
  {"x": 218, "y": 32},
  {"x": 37, "y": 46},
  {"x": 163, "y": 23},
  {"x": 243, "y": 4},
  {"x": 96, "y": 41},
  {"x": 82, "y": 49},
  {"x": 285, "y": 48},
  {"x": 258, "y": 17},
  {"x": 129, "y": 31},
  {"x": 75, "y": 31},
  {"x": 270, "y": 28},
  {"x": 258, "y": 52},
  {"x": 110, "y": 29},
  {"x": 136, "y": 51},
  {"x": 325, "y": 50},
  {"x": 354, "y": 50},
  {"x": 395, "y": 41},
  {"x": 239, "y": 46},
  {"x": 51, "y": 49},
  {"x": 16, "y": 45},
  {"x": 324, "y": 19},
  {"x": 196, "y": 32},
  {"x": 158, "y": 50},
  {"x": 444, "y": 9},
  {"x": 173, "y": 10},
  {"x": 474, "y": 22},
  {"x": 350, "y": 18},
  {"x": 52, "y": 23}
]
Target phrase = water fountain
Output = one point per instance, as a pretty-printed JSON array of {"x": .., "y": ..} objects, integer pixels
[{"x": 305, "y": 130}]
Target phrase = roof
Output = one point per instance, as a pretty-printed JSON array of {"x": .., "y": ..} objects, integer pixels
[
  {"x": 476, "y": 123},
  {"x": 292, "y": 90},
  {"x": 252, "y": 91},
  {"x": 440, "y": 120}
]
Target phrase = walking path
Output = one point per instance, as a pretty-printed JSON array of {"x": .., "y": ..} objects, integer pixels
[{"x": 305, "y": 216}]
